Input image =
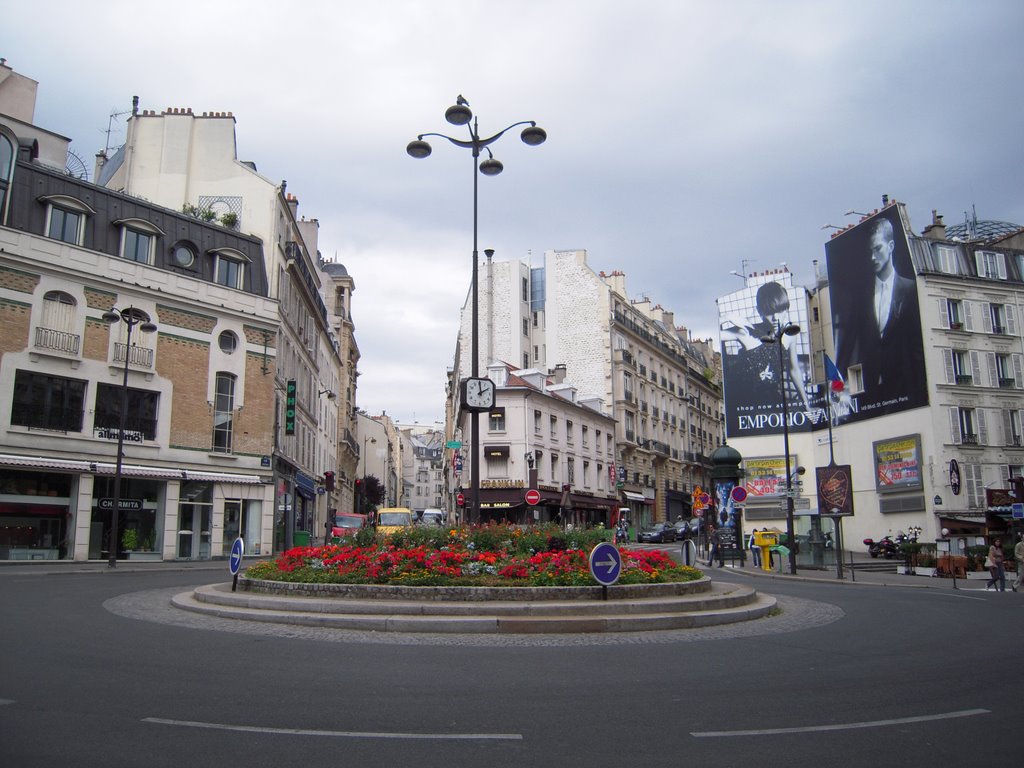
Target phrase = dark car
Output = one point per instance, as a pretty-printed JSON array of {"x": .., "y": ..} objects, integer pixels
[
  {"x": 660, "y": 533},
  {"x": 683, "y": 529}
]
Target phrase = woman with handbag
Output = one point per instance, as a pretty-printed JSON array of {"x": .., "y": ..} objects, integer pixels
[{"x": 994, "y": 562}]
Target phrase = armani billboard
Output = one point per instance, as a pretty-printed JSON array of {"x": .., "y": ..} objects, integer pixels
[{"x": 876, "y": 320}]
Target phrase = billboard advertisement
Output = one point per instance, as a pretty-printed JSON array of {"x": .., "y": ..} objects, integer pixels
[
  {"x": 876, "y": 320},
  {"x": 765, "y": 477},
  {"x": 755, "y": 372},
  {"x": 835, "y": 489},
  {"x": 897, "y": 463}
]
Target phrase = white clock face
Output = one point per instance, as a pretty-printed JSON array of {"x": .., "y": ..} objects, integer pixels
[{"x": 479, "y": 393}]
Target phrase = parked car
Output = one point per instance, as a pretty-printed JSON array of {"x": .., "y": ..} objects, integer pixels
[
  {"x": 660, "y": 533},
  {"x": 347, "y": 523},
  {"x": 432, "y": 517},
  {"x": 683, "y": 529}
]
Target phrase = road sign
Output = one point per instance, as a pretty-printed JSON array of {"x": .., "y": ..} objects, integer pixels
[
  {"x": 605, "y": 563},
  {"x": 460, "y": 499},
  {"x": 1017, "y": 509},
  {"x": 453, "y": 444},
  {"x": 739, "y": 494},
  {"x": 533, "y": 497},
  {"x": 237, "y": 552}
]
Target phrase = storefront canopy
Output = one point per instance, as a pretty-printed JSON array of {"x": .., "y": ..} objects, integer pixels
[{"x": 127, "y": 470}]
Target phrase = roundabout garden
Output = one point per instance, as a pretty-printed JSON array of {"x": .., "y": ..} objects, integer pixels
[{"x": 492, "y": 555}]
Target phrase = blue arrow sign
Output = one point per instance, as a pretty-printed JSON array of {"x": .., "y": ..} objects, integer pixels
[
  {"x": 237, "y": 551},
  {"x": 605, "y": 563}
]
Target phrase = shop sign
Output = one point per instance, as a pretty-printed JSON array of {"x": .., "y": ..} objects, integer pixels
[
  {"x": 123, "y": 505},
  {"x": 109, "y": 433},
  {"x": 502, "y": 484}
]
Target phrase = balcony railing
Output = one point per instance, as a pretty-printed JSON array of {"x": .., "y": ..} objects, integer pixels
[
  {"x": 1005, "y": 383},
  {"x": 1000, "y": 329},
  {"x": 140, "y": 357},
  {"x": 969, "y": 439},
  {"x": 964, "y": 379},
  {"x": 60, "y": 341}
]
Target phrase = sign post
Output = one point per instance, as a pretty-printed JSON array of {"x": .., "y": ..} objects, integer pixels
[
  {"x": 605, "y": 565},
  {"x": 235, "y": 561}
]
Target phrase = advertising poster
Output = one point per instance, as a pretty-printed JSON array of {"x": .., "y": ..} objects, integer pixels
[
  {"x": 835, "y": 489},
  {"x": 897, "y": 463},
  {"x": 876, "y": 320},
  {"x": 765, "y": 477},
  {"x": 755, "y": 372}
]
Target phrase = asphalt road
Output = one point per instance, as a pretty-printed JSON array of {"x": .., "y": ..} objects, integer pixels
[{"x": 98, "y": 670}]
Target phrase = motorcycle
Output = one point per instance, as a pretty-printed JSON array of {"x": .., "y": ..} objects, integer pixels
[
  {"x": 621, "y": 535},
  {"x": 885, "y": 547}
]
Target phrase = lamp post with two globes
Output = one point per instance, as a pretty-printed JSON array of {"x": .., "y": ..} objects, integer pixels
[
  {"x": 781, "y": 331},
  {"x": 131, "y": 317},
  {"x": 532, "y": 135}
]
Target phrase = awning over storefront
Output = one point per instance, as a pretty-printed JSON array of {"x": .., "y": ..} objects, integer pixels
[
  {"x": 127, "y": 470},
  {"x": 630, "y": 496},
  {"x": 304, "y": 486}
]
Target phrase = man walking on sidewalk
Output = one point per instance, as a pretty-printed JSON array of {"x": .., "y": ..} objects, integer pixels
[{"x": 1018, "y": 557}]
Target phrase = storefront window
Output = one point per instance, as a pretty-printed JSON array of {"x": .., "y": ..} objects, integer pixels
[
  {"x": 139, "y": 521},
  {"x": 34, "y": 515}
]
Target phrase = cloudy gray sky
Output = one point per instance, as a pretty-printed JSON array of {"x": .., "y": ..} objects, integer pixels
[{"x": 686, "y": 138}]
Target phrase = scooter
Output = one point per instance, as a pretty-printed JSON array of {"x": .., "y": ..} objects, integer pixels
[
  {"x": 621, "y": 534},
  {"x": 885, "y": 547}
]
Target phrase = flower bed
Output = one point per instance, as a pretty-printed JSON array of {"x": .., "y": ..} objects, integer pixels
[{"x": 490, "y": 555}]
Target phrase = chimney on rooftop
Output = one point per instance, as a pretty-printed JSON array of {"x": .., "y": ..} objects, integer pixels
[{"x": 936, "y": 230}]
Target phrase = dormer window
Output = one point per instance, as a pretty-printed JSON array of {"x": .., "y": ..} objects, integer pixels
[
  {"x": 65, "y": 218},
  {"x": 138, "y": 240},
  {"x": 229, "y": 267}
]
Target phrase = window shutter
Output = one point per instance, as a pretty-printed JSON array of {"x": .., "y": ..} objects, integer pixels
[
  {"x": 986, "y": 318},
  {"x": 1018, "y": 373},
  {"x": 1001, "y": 265},
  {"x": 1007, "y": 428},
  {"x": 1011, "y": 319},
  {"x": 975, "y": 368},
  {"x": 982, "y": 427},
  {"x": 944, "y": 312},
  {"x": 947, "y": 362},
  {"x": 954, "y": 425},
  {"x": 968, "y": 316},
  {"x": 1004, "y": 474},
  {"x": 993, "y": 372}
]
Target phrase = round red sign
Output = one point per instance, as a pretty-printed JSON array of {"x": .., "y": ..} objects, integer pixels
[
  {"x": 533, "y": 497},
  {"x": 460, "y": 500}
]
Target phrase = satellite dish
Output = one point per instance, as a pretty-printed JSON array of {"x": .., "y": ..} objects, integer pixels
[{"x": 76, "y": 167}]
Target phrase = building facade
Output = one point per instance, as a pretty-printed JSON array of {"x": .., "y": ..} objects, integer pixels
[
  {"x": 661, "y": 388},
  {"x": 933, "y": 442},
  {"x": 187, "y": 403},
  {"x": 188, "y": 162}
]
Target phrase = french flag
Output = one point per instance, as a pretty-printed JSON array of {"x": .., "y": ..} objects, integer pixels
[{"x": 835, "y": 378}]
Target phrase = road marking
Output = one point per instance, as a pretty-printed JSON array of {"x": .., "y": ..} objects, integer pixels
[
  {"x": 336, "y": 734},
  {"x": 843, "y": 726},
  {"x": 6, "y": 701}
]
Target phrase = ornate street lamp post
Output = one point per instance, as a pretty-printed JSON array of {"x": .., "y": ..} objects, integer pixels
[
  {"x": 131, "y": 317},
  {"x": 781, "y": 331},
  {"x": 460, "y": 114}
]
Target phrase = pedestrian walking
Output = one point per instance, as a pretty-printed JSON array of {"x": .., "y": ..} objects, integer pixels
[
  {"x": 715, "y": 549},
  {"x": 996, "y": 567},
  {"x": 1018, "y": 556},
  {"x": 755, "y": 551}
]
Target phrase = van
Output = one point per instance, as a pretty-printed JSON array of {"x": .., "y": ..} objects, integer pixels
[
  {"x": 393, "y": 519},
  {"x": 347, "y": 523},
  {"x": 433, "y": 517}
]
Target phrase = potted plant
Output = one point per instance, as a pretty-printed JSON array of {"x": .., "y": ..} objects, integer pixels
[
  {"x": 130, "y": 539},
  {"x": 910, "y": 550},
  {"x": 229, "y": 220}
]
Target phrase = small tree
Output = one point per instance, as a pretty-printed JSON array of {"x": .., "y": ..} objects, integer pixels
[{"x": 373, "y": 493}]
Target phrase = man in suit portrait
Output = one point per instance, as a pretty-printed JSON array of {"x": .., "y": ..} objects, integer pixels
[{"x": 884, "y": 337}]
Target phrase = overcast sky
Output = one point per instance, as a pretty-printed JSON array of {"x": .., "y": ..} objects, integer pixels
[{"x": 685, "y": 139}]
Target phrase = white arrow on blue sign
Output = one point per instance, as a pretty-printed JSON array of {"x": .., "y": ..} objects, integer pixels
[
  {"x": 605, "y": 563},
  {"x": 237, "y": 551}
]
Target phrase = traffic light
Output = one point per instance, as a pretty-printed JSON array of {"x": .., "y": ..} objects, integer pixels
[{"x": 329, "y": 481}]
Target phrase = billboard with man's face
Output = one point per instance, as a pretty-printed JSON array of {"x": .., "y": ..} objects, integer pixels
[{"x": 876, "y": 320}]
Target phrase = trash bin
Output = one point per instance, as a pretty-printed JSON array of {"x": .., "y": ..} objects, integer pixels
[{"x": 300, "y": 538}]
